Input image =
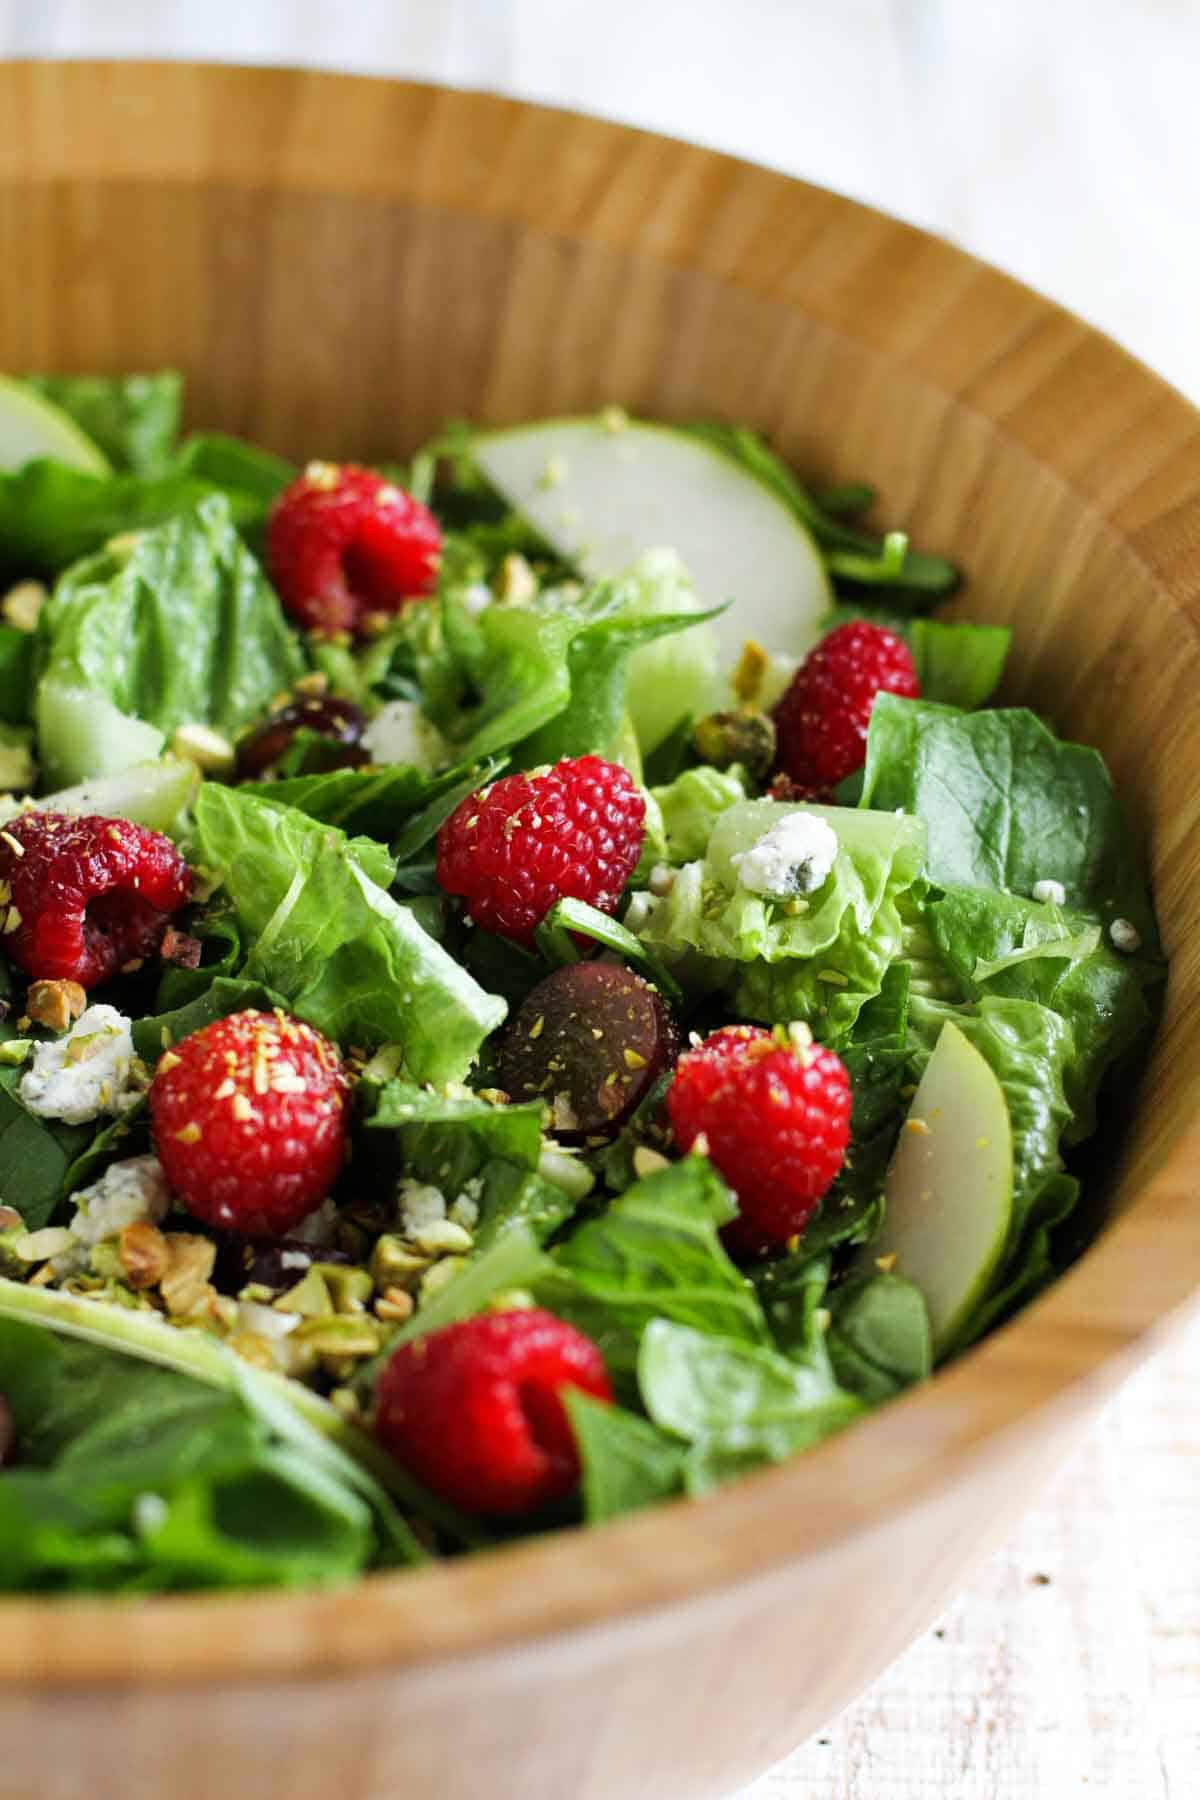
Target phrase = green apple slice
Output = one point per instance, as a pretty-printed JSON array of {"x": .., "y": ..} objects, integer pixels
[
  {"x": 949, "y": 1186},
  {"x": 149, "y": 793},
  {"x": 31, "y": 426},
  {"x": 603, "y": 491}
]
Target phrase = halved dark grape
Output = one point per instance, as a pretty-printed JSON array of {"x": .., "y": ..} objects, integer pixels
[
  {"x": 589, "y": 1040},
  {"x": 325, "y": 715},
  {"x": 277, "y": 1266}
]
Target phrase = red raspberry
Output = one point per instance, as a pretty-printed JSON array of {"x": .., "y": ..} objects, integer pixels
[
  {"x": 516, "y": 847},
  {"x": 84, "y": 897},
  {"x": 776, "y": 1117},
  {"x": 821, "y": 721},
  {"x": 343, "y": 545},
  {"x": 474, "y": 1410},
  {"x": 249, "y": 1121}
]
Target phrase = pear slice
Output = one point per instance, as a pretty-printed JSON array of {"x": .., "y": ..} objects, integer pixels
[
  {"x": 604, "y": 490},
  {"x": 949, "y": 1186},
  {"x": 31, "y": 426}
]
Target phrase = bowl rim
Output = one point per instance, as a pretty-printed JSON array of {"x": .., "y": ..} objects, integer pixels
[{"x": 1072, "y": 1345}]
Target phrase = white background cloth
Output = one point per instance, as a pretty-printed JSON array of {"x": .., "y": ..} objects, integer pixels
[{"x": 1060, "y": 138}]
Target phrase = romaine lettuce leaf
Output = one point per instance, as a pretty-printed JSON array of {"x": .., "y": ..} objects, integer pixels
[
  {"x": 345, "y": 955},
  {"x": 1005, "y": 945},
  {"x": 51, "y": 515},
  {"x": 255, "y": 1482},
  {"x": 691, "y": 805},
  {"x": 818, "y": 961},
  {"x": 177, "y": 627},
  {"x": 544, "y": 678},
  {"x": 380, "y": 801}
]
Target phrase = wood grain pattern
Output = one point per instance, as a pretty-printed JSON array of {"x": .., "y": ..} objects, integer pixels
[{"x": 337, "y": 264}]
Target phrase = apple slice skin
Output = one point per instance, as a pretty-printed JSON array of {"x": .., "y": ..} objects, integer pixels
[
  {"x": 31, "y": 427},
  {"x": 949, "y": 1186},
  {"x": 605, "y": 495}
]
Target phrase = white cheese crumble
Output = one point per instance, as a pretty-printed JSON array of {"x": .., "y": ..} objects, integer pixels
[
  {"x": 401, "y": 733},
  {"x": 476, "y": 598},
  {"x": 1050, "y": 893},
  {"x": 126, "y": 1193},
  {"x": 1125, "y": 936},
  {"x": 421, "y": 1205},
  {"x": 85, "y": 1073},
  {"x": 465, "y": 1212},
  {"x": 793, "y": 857}
]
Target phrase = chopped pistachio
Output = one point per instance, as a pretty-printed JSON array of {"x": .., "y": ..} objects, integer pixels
[
  {"x": 310, "y": 1296},
  {"x": 744, "y": 736}
]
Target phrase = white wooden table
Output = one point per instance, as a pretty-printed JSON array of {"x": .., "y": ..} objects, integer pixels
[{"x": 1063, "y": 141}]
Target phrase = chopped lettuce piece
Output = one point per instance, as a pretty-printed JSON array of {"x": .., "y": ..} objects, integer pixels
[
  {"x": 1002, "y": 944},
  {"x": 669, "y": 681},
  {"x": 817, "y": 958},
  {"x": 178, "y": 626},
  {"x": 346, "y": 956},
  {"x": 691, "y": 805}
]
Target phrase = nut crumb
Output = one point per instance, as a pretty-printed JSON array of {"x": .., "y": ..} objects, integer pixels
[
  {"x": 144, "y": 1255},
  {"x": 55, "y": 1004}
]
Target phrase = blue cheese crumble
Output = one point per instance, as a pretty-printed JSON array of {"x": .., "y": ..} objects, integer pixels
[
  {"x": 402, "y": 733},
  {"x": 794, "y": 857},
  {"x": 88, "y": 1072},
  {"x": 127, "y": 1193}
]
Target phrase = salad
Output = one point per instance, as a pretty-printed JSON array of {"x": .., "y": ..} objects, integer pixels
[{"x": 534, "y": 981}]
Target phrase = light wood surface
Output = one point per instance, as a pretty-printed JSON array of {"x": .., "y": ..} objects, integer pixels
[
  {"x": 1069, "y": 1668},
  {"x": 337, "y": 265}
]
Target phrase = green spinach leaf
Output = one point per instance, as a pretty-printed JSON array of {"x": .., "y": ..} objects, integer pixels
[
  {"x": 879, "y": 1339},
  {"x": 654, "y": 1254},
  {"x": 736, "y": 1404},
  {"x": 1006, "y": 805},
  {"x": 133, "y": 418},
  {"x": 627, "y": 1462}
]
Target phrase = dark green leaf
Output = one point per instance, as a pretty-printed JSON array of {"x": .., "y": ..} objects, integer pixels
[
  {"x": 1006, "y": 805},
  {"x": 737, "y": 1404},
  {"x": 879, "y": 1341},
  {"x": 35, "y": 1155},
  {"x": 133, "y": 418},
  {"x": 654, "y": 1254},
  {"x": 627, "y": 1462},
  {"x": 51, "y": 515}
]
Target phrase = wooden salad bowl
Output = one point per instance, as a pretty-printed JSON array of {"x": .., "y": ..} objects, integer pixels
[{"x": 339, "y": 265}]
